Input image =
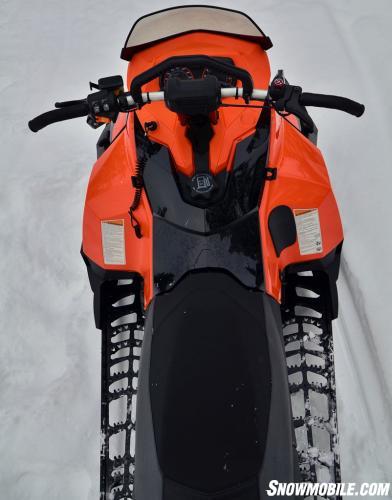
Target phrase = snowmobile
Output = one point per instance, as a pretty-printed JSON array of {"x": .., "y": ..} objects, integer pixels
[{"x": 212, "y": 241}]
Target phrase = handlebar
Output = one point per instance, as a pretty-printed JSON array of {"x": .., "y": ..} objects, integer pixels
[
  {"x": 59, "y": 115},
  {"x": 147, "y": 97},
  {"x": 307, "y": 99},
  {"x": 332, "y": 102},
  {"x": 125, "y": 102}
]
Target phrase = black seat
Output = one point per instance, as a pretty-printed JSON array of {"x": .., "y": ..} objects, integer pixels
[
  {"x": 210, "y": 386},
  {"x": 213, "y": 414}
]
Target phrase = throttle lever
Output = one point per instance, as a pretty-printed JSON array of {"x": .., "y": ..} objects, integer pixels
[
  {"x": 287, "y": 98},
  {"x": 296, "y": 108}
]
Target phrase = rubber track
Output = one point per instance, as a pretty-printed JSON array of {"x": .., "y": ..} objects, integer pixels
[
  {"x": 307, "y": 331},
  {"x": 121, "y": 345}
]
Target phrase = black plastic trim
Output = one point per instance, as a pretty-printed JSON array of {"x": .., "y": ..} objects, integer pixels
[
  {"x": 99, "y": 278},
  {"x": 234, "y": 193},
  {"x": 281, "y": 225},
  {"x": 235, "y": 248},
  {"x": 326, "y": 270}
]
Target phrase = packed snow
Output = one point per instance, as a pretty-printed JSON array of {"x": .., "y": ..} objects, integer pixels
[{"x": 50, "y": 350}]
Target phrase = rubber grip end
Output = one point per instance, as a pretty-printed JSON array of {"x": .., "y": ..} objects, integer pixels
[
  {"x": 31, "y": 126},
  {"x": 361, "y": 110}
]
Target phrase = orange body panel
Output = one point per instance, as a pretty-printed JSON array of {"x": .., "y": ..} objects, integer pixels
[
  {"x": 109, "y": 197},
  {"x": 302, "y": 182},
  {"x": 302, "y": 179},
  {"x": 119, "y": 124}
]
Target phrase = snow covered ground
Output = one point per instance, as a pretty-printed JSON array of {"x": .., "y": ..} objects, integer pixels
[{"x": 49, "y": 351}]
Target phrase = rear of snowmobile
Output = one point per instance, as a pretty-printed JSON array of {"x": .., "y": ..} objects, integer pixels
[{"x": 212, "y": 240}]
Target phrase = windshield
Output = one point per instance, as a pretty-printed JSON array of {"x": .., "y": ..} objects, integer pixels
[{"x": 171, "y": 22}]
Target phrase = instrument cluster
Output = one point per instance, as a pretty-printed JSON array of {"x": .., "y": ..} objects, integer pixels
[{"x": 186, "y": 73}]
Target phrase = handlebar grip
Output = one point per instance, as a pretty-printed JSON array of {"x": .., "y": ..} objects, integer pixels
[
  {"x": 332, "y": 102},
  {"x": 58, "y": 115}
]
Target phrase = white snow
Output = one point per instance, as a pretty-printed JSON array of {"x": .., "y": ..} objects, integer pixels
[{"x": 49, "y": 364}]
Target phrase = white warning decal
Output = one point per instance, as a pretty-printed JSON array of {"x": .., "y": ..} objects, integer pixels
[
  {"x": 113, "y": 241},
  {"x": 307, "y": 223}
]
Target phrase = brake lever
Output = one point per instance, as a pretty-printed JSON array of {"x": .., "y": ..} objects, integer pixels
[{"x": 65, "y": 104}]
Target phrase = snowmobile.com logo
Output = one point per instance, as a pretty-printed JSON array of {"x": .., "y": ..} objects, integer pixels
[{"x": 328, "y": 489}]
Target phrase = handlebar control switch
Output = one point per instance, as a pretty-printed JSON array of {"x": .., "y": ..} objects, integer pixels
[
  {"x": 103, "y": 105},
  {"x": 193, "y": 97},
  {"x": 278, "y": 84}
]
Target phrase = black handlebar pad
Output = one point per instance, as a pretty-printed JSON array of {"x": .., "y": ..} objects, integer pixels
[
  {"x": 58, "y": 115},
  {"x": 190, "y": 61},
  {"x": 332, "y": 102}
]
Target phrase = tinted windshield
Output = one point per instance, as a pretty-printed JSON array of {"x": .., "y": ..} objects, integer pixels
[{"x": 171, "y": 22}]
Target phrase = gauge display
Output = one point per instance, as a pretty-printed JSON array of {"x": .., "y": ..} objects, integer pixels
[
  {"x": 185, "y": 73},
  {"x": 223, "y": 79},
  {"x": 181, "y": 72}
]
